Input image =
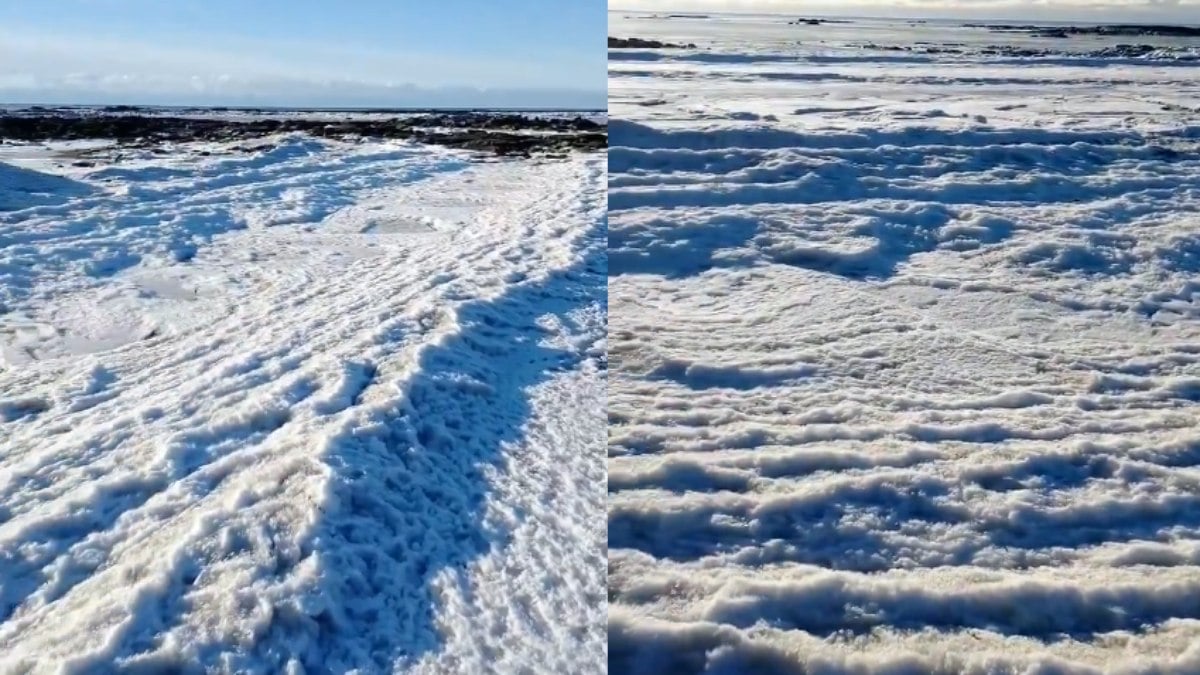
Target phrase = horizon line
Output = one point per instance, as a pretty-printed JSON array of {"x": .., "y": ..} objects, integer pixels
[
  {"x": 828, "y": 14},
  {"x": 253, "y": 108}
]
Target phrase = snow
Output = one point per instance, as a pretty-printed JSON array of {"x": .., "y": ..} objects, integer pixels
[
  {"x": 321, "y": 407},
  {"x": 906, "y": 355}
]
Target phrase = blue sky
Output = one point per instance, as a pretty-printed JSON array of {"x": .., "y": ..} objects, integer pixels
[{"x": 537, "y": 53}]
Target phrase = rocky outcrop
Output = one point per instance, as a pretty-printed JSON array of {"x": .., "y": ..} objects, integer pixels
[
  {"x": 816, "y": 22},
  {"x": 1112, "y": 30},
  {"x": 639, "y": 43},
  {"x": 501, "y": 134},
  {"x": 1122, "y": 51}
]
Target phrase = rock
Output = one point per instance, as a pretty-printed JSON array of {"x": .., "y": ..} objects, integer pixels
[
  {"x": 1126, "y": 51},
  {"x": 639, "y": 43},
  {"x": 1132, "y": 30},
  {"x": 501, "y": 134}
]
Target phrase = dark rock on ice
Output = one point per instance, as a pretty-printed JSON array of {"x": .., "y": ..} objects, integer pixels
[
  {"x": 498, "y": 133},
  {"x": 639, "y": 43}
]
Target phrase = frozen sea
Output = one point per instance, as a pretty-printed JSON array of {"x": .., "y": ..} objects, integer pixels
[
  {"x": 905, "y": 349},
  {"x": 308, "y": 406}
]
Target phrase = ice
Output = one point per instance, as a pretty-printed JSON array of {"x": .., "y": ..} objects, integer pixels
[
  {"x": 314, "y": 407},
  {"x": 905, "y": 353}
]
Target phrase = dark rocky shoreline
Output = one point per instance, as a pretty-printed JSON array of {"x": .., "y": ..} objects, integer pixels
[
  {"x": 495, "y": 133},
  {"x": 1112, "y": 30},
  {"x": 1122, "y": 51},
  {"x": 639, "y": 43}
]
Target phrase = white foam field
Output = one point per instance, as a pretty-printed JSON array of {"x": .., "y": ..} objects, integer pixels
[
  {"x": 315, "y": 408},
  {"x": 906, "y": 361}
]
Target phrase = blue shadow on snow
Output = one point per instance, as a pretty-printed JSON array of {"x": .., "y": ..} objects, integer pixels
[{"x": 409, "y": 490}]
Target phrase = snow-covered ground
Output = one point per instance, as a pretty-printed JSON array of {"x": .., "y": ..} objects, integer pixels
[
  {"x": 906, "y": 357},
  {"x": 313, "y": 408}
]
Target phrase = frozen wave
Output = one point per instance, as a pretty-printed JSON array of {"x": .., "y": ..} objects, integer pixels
[
  {"x": 338, "y": 409},
  {"x": 904, "y": 361}
]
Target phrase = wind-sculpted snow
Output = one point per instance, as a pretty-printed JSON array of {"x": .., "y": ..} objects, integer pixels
[
  {"x": 906, "y": 361},
  {"x": 336, "y": 407}
]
